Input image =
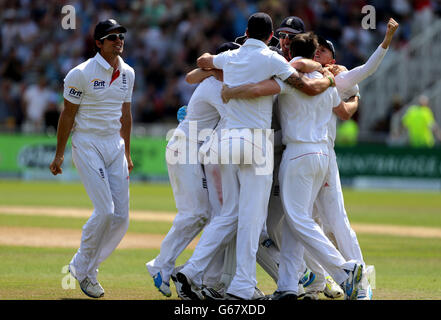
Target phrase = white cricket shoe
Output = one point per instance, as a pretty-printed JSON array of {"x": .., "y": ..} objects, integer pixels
[
  {"x": 212, "y": 294},
  {"x": 332, "y": 289},
  {"x": 258, "y": 294},
  {"x": 188, "y": 288},
  {"x": 93, "y": 290},
  {"x": 311, "y": 295},
  {"x": 163, "y": 287},
  {"x": 364, "y": 289},
  {"x": 365, "y": 294}
]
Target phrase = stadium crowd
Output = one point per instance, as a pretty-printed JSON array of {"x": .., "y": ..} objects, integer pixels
[{"x": 165, "y": 37}]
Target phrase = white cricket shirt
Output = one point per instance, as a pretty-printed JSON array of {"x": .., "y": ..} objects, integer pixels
[
  {"x": 305, "y": 119},
  {"x": 205, "y": 106},
  {"x": 251, "y": 63},
  {"x": 88, "y": 85}
]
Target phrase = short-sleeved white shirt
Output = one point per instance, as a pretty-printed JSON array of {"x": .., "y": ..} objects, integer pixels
[
  {"x": 251, "y": 63},
  {"x": 305, "y": 119},
  {"x": 88, "y": 85},
  {"x": 205, "y": 106}
]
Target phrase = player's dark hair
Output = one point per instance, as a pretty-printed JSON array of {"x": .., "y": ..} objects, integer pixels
[
  {"x": 96, "y": 47},
  {"x": 260, "y": 26},
  {"x": 304, "y": 45}
]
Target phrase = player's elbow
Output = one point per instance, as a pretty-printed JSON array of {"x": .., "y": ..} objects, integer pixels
[
  {"x": 189, "y": 79},
  {"x": 204, "y": 61},
  {"x": 344, "y": 116}
]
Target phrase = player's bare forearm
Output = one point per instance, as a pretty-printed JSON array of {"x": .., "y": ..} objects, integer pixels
[
  {"x": 347, "y": 109},
  {"x": 311, "y": 87},
  {"x": 251, "y": 90},
  {"x": 307, "y": 65},
  {"x": 126, "y": 128},
  {"x": 197, "y": 75},
  {"x": 65, "y": 124},
  {"x": 126, "y": 125}
]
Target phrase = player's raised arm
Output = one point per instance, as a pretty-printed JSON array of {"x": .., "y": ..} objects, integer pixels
[
  {"x": 392, "y": 26},
  {"x": 65, "y": 124},
  {"x": 348, "y": 79}
]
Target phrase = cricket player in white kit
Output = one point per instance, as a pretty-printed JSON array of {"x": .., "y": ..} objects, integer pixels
[
  {"x": 97, "y": 104},
  {"x": 329, "y": 205},
  {"x": 304, "y": 122},
  {"x": 188, "y": 179},
  {"x": 245, "y": 193}
]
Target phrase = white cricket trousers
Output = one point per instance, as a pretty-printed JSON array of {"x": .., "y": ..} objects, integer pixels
[
  {"x": 191, "y": 198},
  {"x": 329, "y": 207},
  {"x": 102, "y": 167},
  {"x": 302, "y": 173},
  {"x": 244, "y": 210}
]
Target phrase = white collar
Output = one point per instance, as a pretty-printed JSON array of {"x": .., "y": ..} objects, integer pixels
[
  {"x": 254, "y": 42},
  {"x": 99, "y": 58}
]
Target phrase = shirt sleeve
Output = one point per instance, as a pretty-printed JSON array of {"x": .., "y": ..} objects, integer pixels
[
  {"x": 128, "y": 97},
  {"x": 282, "y": 69},
  {"x": 219, "y": 60},
  {"x": 74, "y": 86},
  {"x": 347, "y": 79},
  {"x": 283, "y": 86},
  {"x": 335, "y": 98},
  {"x": 345, "y": 95}
]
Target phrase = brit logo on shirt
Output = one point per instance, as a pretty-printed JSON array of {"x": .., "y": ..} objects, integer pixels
[
  {"x": 124, "y": 79},
  {"x": 74, "y": 92},
  {"x": 98, "y": 84}
]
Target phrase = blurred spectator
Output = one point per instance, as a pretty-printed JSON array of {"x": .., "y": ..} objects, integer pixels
[
  {"x": 37, "y": 98},
  {"x": 11, "y": 110},
  {"x": 347, "y": 133},
  {"x": 423, "y": 15},
  {"x": 52, "y": 113},
  {"x": 420, "y": 124},
  {"x": 397, "y": 133},
  {"x": 165, "y": 37}
]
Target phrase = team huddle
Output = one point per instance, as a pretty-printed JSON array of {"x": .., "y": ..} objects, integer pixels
[
  {"x": 291, "y": 221},
  {"x": 252, "y": 165}
]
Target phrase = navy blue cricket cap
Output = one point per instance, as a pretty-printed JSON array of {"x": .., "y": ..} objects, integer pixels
[
  {"x": 104, "y": 27},
  {"x": 227, "y": 46},
  {"x": 327, "y": 44},
  {"x": 292, "y": 24}
]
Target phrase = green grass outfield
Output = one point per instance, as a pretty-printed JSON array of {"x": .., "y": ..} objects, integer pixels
[{"x": 406, "y": 267}]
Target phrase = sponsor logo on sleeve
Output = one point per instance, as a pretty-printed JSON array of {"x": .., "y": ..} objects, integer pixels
[{"x": 74, "y": 92}]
